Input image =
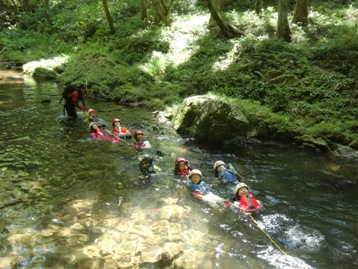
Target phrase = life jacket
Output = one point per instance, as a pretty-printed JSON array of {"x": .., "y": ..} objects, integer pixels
[
  {"x": 139, "y": 145},
  {"x": 119, "y": 131},
  {"x": 151, "y": 169},
  {"x": 201, "y": 187},
  {"x": 74, "y": 96},
  {"x": 184, "y": 172},
  {"x": 67, "y": 91},
  {"x": 248, "y": 203}
]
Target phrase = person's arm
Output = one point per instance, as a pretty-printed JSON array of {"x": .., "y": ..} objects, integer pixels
[
  {"x": 126, "y": 131},
  {"x": 233, "y": 171}
]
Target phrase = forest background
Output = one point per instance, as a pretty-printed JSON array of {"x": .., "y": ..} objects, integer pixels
[{"x": 291, "y": 65}]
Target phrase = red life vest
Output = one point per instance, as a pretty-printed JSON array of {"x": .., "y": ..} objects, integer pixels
[
  {"x": 138, "y": 145},
  {"x": 248, "y": 203},
  {"x": 184, "y": 172},
  {"x": 74, "y": 96}
]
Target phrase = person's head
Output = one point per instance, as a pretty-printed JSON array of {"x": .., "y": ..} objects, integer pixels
[
  {"x": 241, "y": 189},
  {"x": 146, "y": 160},
  {"x": 116, "y": 122},
  {"x": 181, "y": 163},
  {"x": 82, "y": 88},
  {"x": 138, "y": 135},
  {"x": 218, "y": 165},
  {"x": 195, "y": 176},
  {"x": 92, "y": 112},
  {"x": 93, "y": 126}
]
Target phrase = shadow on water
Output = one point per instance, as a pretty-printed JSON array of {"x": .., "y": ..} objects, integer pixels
[{"x": 70, "y": 202}]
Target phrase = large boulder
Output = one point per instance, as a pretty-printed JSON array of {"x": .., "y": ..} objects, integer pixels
[{"x": 210, "y": 119}]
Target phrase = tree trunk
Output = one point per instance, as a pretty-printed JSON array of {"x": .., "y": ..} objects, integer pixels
[
  {"x": 301, "y": 13},
  {"x": 283, "y": 29},
  {"x": 163, "y": 11},
  {"x": 219, "y": 4},
  {"x": 144, "y": 9},
  {"x": 259, "y": 6},
  {"x": 215, "y": 15},
  {"x": 108, "y": 16}
]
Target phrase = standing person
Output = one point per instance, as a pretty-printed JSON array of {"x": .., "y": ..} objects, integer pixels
[
  {"x": 248, "y": 203},
  {"x": 182, "y": 167},
  {"x": 81, "y": 96},
  {"x": 139, "y": 144},
  {"x": 70, "y": 95},
  {"x": 120, "y": 131},
  {"x": 226, "y": 173},
  {"x": 147, "y": 166}
]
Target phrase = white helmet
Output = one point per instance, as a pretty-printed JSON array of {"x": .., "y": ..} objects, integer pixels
[
  {"x": 240, "y": 185},
  {"x": 195, "y": 171},
  {"x": 93, "y": 123},
  {"x": 218, "y": 163}
]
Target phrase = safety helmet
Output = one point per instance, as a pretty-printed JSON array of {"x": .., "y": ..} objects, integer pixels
[
  {"x": 218, "y": 163},
  {"x": 115, "y": 120},
  {"x": 145, "y": 157},
  {"x": 91, "y": 125},
  {"x": 195, "y": 171},
  {"x": 137, "y": 132},
  {"x": 240, "y": 185},
  {"x": 178, "y": 160},
  {"x": 91, "y": 110}
]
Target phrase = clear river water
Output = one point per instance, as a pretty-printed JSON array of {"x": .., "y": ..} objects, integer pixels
[{"x": 67, "y": 201}]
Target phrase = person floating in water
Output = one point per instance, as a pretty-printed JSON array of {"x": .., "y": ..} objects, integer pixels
[
  {"x": 147, "y": 166},
  {"x": 226, "y": 173},
  {"x": 119, "y": 131},
  {"x": 92, "y": 116},
  {"x": 182, "y": 167},
  {"x": 201, "y": 190},
  {"x": 139, "y": 144},
  {"x": 245, "y": 200},
  {"x": 97, "y": 134}
]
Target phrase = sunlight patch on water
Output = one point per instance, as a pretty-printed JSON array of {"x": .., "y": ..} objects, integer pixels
[{"x": 281, "y": 261}]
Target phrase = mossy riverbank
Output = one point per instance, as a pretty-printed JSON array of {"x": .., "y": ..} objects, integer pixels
[{"x": 303, "y": 92}]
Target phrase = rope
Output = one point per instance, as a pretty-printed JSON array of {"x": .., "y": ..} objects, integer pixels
[{"x": 268, "y": 236}]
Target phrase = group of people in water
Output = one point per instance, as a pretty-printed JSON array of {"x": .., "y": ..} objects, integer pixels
[{"x": 191, "y": 178}]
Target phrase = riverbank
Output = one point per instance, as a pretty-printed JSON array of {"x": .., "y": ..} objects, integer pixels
[{"x": 304, "y": 92}]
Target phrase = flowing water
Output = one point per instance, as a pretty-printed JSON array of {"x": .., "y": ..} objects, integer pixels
[{"x": 69, "y": 202}]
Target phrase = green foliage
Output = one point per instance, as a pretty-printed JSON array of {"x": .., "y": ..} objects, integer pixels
[
  {"x": 308, "y": 86},
  {"x": 28, "y": 46}
]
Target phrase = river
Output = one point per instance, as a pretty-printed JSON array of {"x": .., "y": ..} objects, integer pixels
[{"x": 69, "y": 202}]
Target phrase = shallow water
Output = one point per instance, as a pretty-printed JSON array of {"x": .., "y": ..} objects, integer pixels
[{"x": 70, "y": 202}]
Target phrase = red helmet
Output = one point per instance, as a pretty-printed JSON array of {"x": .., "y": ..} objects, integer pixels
[
  {"x": 137, "y": 132},
  {"x": 91, "y": 110},
  {"x": 115, "y": 120}
]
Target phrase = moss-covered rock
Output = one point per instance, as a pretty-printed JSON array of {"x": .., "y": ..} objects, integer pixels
[
  {"x": 210, "y": 119},
  {"x": 44, "y": 73}
]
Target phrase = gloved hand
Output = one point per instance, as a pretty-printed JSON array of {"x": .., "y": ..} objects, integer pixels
[
  {"x": 84, "y": 108},
  {"x": 227, "y": 203},
  {"x": 232, "y": 169},
  {"x": 198, "y": 194},
  {"x": 80, "y": 107}
]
